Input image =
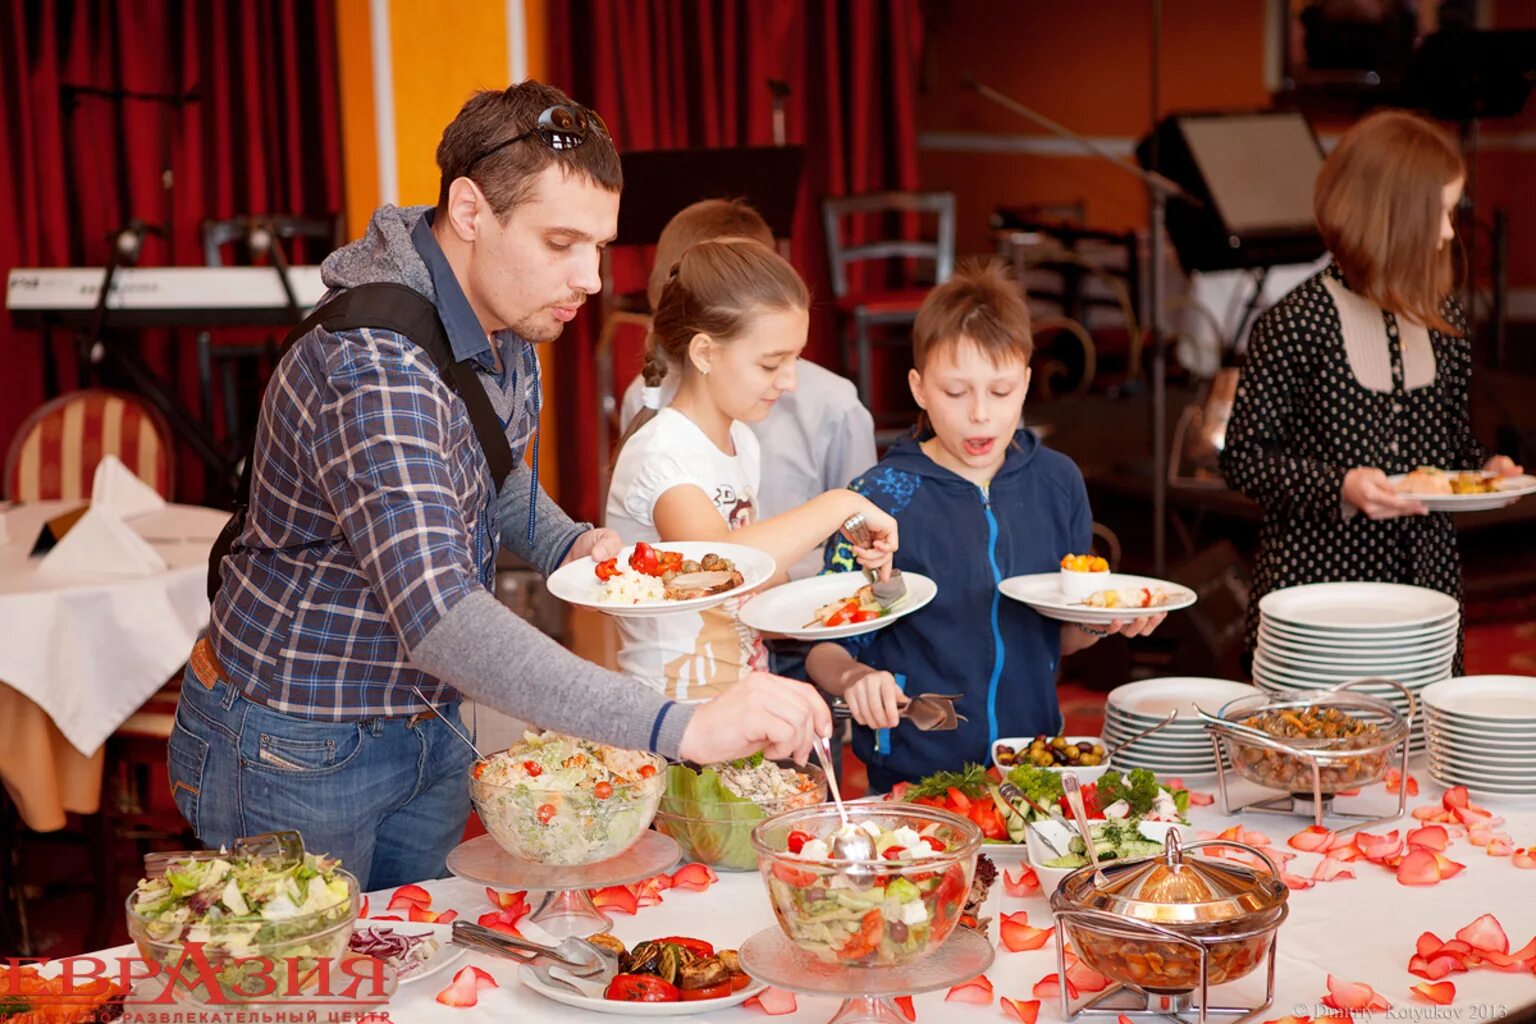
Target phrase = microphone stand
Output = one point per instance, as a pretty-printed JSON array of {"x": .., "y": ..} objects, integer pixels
[{"x": 1159, "y": 190}]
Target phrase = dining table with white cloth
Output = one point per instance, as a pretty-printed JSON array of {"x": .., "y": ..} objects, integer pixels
[
  {"x": 1360, "y": 929},
  {"x": 83, "y": 646}
]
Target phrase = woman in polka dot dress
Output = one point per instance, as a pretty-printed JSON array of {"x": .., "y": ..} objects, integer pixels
[{"x": 1361, "y": 372}]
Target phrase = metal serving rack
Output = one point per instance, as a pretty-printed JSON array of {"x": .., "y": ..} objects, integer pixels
[
  {"x": 1316, "y": 804},
  {"x": 1171, "y": 1005}
]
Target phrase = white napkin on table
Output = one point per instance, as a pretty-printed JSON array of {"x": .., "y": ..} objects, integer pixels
[
  {"x": 100, "y": 542},
  {"x": 117, "y": 489}
]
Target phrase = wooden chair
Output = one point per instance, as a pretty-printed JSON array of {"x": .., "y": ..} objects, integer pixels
[{"x": 54, "y": 455}]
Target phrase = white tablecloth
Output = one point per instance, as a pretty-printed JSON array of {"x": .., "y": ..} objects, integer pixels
[
  {"x": 90, "y": 649},
  {"x": 1360, "y": 929}
]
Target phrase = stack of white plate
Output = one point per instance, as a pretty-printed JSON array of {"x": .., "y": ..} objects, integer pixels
[
  {"x": 1182, "y": 748},
  {"x": 1317, "y": 636},
  {"x": 1482, "y": 733}
]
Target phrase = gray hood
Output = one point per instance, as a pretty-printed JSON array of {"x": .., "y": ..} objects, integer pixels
[{"x": 384, "y": 254}]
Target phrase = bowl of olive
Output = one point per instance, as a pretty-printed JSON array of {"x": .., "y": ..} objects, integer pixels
[{"x": 1085, "y": 756}]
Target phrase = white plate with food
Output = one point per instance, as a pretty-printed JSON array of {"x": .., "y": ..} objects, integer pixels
[
  {"x": 1472, "y": 490},
  {"x": 415, "y": 950},
  {"x": 597, "y": 1003},
  {"x": 664, "y": 578},
  {"x": 1121, "y": 597},
  {"x": 832, "y": 606}
]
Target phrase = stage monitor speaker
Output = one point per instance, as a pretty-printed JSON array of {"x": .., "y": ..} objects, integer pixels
[{"x": 1252, "y": 174}]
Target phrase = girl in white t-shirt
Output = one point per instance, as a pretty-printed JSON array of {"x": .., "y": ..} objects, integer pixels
[{"x": 733, "y": 316}]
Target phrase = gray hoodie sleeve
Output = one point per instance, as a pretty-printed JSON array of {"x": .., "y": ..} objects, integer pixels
[
  {"x": 484, "y": 650},
  {"x": 553, "y": 531}
]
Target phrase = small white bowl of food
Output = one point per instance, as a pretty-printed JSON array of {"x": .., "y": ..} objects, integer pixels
[
  {"x": 1056, "y": 849},
  {"x": 1082, "y": 575},
  {"x": 1085, "y": 756}
]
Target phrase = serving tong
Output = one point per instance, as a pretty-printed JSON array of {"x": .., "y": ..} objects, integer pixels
[
  {"x": 929, "y": 712},
  {"x": 889, "y": 591},
  {"x": 286, "y": 848},
  {"x": 577, "y": 959}
]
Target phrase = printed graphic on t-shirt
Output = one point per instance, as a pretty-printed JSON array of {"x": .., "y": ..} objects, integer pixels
[{"x": 738, "y": 510}]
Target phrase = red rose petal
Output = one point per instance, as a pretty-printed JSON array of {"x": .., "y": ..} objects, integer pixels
[
  {"x": 1050, "y": 986},
  {"x": 1429, "y": 944},
  {"x": 1418, "y": 868},
  {"x": 1448, "y": 868},
  {"x": 1431, "y": 837},
  {"x": 1312, "y": 839},
  {"x": 1085, "y": 978},
  {"x": 464, "y": 990},
  {"x": 1331, "y": 868},
  {"x": 1345, "y": 854},
  {"x": 1295, "y": 882},
  {"x": 773, "y": 1001},
  {"x": 1123, "y": 1019},
  {"x": 1485, "y": 934},
  {"x": 1436, "y": 967},
  {"x": 1023, "y": 1010},
  {"x": 500, "y": 921},
  {"x": 904, "y": 1003},
  {"x": 1017, "y": 935},
  {"x": 1027, "y": 884},
  {"x": 1378, "y": 848},
  {"x": 483, "y": 978},
  {"x": 513, "y": 902},
  {"x": 1457, "y": 796},
  {"x": 1348, "y": 995},
  {"x": 408, "y": 895},
  {"x": 1440, "y": 994},
  {"x": 615, "y": 897},
  {"x": 1524, "y": 857},
  {"x": 430, "y": 916},
  {"x": 978, "y": 990},
  {"x": 694, "y": 876}
]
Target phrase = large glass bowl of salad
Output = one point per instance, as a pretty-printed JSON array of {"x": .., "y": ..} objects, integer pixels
[
  {"x": 555, "y": 799},
  {"x": 883, "y": 912},
  {"x": 711, "y": 811},
  {"x": 266, "y": 928}
]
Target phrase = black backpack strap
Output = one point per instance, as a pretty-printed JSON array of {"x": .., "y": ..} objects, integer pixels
[{"x": 405, "y": 311}]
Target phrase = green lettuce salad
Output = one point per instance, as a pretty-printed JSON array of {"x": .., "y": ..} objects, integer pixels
[{"x": 706, "y": 811}]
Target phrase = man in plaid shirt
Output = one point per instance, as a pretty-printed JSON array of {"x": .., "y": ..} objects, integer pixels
[{"x": 357, "y": 603}]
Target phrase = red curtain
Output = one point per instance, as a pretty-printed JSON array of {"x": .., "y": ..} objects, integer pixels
[
  {"x": 671, "y": 74},
  {"x": 261, "y": 134}
]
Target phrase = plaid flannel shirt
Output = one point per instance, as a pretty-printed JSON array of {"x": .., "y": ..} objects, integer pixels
[{"x": 373, "y": 512}]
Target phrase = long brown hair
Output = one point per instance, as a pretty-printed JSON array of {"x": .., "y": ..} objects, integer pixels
[
  {"x": 715, "y": 288},
  {"x": 1378, "y": 205}
]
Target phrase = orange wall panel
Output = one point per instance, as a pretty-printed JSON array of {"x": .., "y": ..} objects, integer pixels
[{"x": 359, "y": 142}]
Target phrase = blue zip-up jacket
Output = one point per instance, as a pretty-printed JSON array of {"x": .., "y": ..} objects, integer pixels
[{"x": 970, "y": 639}]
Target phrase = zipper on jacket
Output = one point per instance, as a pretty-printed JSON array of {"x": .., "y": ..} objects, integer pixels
[{"x": 997, "y": 634}]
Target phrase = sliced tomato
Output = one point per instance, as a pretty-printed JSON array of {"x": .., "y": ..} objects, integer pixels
[
  {"x": 959, "y": 800},
  {"x": 647, "y": 770},
  {"x": 863, "y": 616},
  {"x": 899, "y": 791},
  {"x": 987, "y": 819},
  {"x": 720, "y": 991},
  {"x": 698, "y": 947},
  {"x": 794, "y": 876},
  {"x": 645, "y": 560},
  {"x": 935, "y": 842},
  {"x": 603, "y": 790},
  {"x": 894, "y": 853},
  {"x": 546, "y": 813},
  {"x": 952, "y": 891},
  {"x": 641, "y": 988},
  {"x": 866, "y": 939},
  {"x": 607, "y": 570},
  {"x": 796, "y": 840},
  {"x": 533, "y": 768},
  {"x": 740, "y": 981},
  {"x": 669, "y": 559}
]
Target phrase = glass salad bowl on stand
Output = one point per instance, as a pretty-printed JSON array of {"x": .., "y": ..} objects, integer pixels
[
  {"x": 564, "y": 816},
  {"x": 867, "y": 930}
]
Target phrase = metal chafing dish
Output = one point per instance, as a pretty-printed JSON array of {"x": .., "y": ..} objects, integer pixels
[
  {"x": 1172, "y": 926},
  {"x": 1313, "y": 746}
]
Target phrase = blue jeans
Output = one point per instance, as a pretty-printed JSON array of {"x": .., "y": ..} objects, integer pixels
[{"x": 388, "y": 796}]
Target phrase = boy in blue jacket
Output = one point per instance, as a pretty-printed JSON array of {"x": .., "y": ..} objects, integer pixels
[{"x": 979, "y": 499}]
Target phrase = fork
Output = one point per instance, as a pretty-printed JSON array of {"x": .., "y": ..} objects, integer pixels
[{"x": 887, "y": 591}]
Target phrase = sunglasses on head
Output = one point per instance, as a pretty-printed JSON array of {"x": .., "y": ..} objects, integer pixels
[{"x": 561, "y": 127}]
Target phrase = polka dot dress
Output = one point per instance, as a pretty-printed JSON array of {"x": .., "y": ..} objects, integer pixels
[{"x": 1302, "y": 419}]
